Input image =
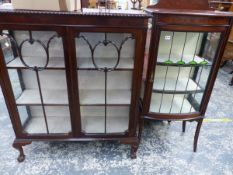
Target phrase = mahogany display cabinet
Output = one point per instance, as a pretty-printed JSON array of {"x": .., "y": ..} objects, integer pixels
[
  {"x": 72, "y": 76},
  {"x": 182, "y": 68}
]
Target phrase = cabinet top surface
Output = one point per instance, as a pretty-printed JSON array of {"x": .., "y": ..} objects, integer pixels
[
  {"x": 214, "y": 13},
  {"x": 84, "y": 12},
  {"x": 181, "y": 7}
]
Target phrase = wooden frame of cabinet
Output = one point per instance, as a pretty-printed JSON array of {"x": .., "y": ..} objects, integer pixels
[
  {"x": 176, "y": 17},
  {"x": 67, "y": 25}
]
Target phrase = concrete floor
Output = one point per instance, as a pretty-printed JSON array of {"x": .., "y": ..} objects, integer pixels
[{"x": 164, "y": 149}]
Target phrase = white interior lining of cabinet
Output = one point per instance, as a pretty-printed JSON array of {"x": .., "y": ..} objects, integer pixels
[
  {"x": 180, "y": 104},
  {"x": 125, "y": 63},
  {"x": 183, "y": 84},
  {"x": 95, "y": 80},
  {"x": 58, "y": 119},
  {"x": 92, "y": 111},
  {"x": 49, "y": 79},
  {"x": 178, "y": 38},
  {"x": 55, "y": 124},
  {"x": 97, "y": 96},
  {"x": 87, "y": 97},
  {"x": 173, "y": 72},
  {"x": 32, "y": 96},
  {"x": 54, "y": 62},
  {"x": 96, "y": 124},
  {"x": 93, "y": 119}
]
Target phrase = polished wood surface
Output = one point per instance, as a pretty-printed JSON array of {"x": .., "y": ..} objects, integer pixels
[
  {"x": 181, "y": 4},
  {"x": 68, "y": 25},
  {"x": 180, "y": 16}
]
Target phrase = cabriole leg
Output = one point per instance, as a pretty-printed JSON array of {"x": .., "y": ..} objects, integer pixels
[
  {"x": 19, "y": 146},
  {"x": 199, "y": 123},
  {"x": 133, "y": 151},
  {"x": 183, "y": 126},
  {"x": 141, "y": 126},
  {"x": 231, "y": 82}
]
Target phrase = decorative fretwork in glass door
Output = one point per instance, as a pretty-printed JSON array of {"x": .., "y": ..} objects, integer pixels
[
  {"x": 105, "y": 64},
  {"x": 37, "y": 73}
]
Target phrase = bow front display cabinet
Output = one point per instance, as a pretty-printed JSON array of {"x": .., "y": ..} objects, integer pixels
[
  {"x": 182, "y": 65},
  {"x": 72, "y": 76}
]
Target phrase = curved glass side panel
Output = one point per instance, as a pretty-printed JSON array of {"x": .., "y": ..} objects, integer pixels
[{"x": 183, "y": 67}]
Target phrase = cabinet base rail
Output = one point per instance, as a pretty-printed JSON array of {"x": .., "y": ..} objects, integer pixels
[{"x": 18, "y": 144}]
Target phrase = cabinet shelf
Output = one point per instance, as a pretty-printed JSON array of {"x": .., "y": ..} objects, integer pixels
[
  {"x": 56, "y": 124},
  {"x": 54, "y": 63},
  {"x": 124, "y": 63},
  {"x": 170, "y": 104},
  {"x": 176, "y": 86},
  {"x": 96, "y": 97},
  {"x": 96, "y": 124},
  {"x": 50, "y": 97},
  {"x": 161, "y": 61},
  {"x": 87, "y": 97},
  {"x": 83, "y": 63}
]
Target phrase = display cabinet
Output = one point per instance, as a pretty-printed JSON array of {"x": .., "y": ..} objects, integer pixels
[
  {"x": 72, "y": 76},
  {"x": 182, "y": 70}
]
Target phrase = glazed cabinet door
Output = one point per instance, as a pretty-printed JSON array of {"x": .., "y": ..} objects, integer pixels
[
  {"x": 36, "y": 68},
  {"x": 105, "y": 71},
  {"x": 181, "y": 74}
]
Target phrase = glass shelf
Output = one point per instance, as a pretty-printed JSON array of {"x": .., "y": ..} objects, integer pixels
[
  {"x": 54, "y": 63},
  {"x": 189, "y": 62},
  {"x": 176, "y": 86}
]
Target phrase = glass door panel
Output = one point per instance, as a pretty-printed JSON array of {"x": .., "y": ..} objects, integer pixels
[
  {"x": 182, "y": 71},
  {"x": 37, "y": 73},
  {"x": 105, "y": 64}
]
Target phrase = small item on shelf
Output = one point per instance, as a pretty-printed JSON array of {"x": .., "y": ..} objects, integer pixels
[
  {"x": 134, "y": 4},
  {"x": 180, "y": 62},
  {"x": 168, "y": 61},
  {"x": 203, "y": 62},
  {"x": 193, "y": 62},
  {"x": 140, "y": 4},
  {"x": 55, "y": 5}
]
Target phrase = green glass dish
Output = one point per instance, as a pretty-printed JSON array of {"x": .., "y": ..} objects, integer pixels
[
  {"x": 168, "y": 62},
  {"x": 181, "y": 62},
  {"x": 192, "y": 62},
  {"x": 203, "y": 63}
]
